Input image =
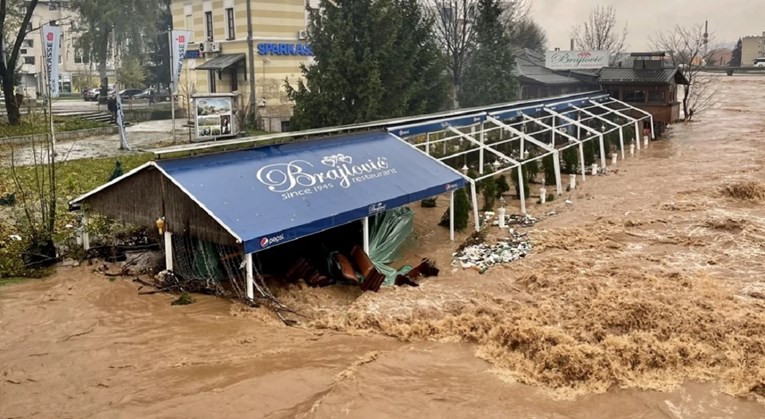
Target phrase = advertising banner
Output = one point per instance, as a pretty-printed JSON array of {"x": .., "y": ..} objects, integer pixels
[
  {"x": 180, "y": 44},
  {"x": 576, "y": 60},
  {"x": 215, "y": 117},
  {"x": 51, "y": 42},
  {"x": 121, "y": 124}
]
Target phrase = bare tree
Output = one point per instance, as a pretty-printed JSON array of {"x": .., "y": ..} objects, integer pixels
[
  {"x": 688, "y": 49},
  {"x": 600, "y": 33},
  {"x": 455, "y": 32},
  {"x": 9, "y": 54},
  {"x": 523, "y": 30}
]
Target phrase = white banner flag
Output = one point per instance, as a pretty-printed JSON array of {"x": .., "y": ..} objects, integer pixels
[
  {"x": 51, "y": 41},
  {"x": 124, "y": 145},
  {"x": 180, "y": 43}
]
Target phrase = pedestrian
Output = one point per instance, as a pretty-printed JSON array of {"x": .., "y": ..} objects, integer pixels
[
  {"x": 111, "y": 105},
  {"x": 151, "y": 97}
]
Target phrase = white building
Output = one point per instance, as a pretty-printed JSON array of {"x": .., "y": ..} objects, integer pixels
[{"x": 72, "y": 64}]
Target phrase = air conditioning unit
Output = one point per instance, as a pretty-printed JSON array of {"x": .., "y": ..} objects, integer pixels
[
  {"x": 302, "y": 35},
  {"x": 208, "y": 47}
]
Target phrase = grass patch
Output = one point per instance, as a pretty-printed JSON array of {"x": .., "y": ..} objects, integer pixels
[
  {"x": 34, "y": 124},
  {"x": 73, "y": 178}
]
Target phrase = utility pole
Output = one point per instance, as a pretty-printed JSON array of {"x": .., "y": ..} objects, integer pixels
[{"x": 251, "y": 65}]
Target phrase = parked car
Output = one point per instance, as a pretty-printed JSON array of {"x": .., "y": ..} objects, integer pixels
[
  {"x": 94, "y": 93},
  {"x": 89, "y": 94},
  {"x": 130, "y": 93},
  {"x": 160, "y": 95}
]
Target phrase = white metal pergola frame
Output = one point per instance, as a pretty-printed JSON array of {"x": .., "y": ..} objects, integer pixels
[{"x": 475, "y": 133}]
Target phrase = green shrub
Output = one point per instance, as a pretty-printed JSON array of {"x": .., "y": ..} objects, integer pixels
[
  {"x": 461, "y": 211},
  {"x": 502, "y": 185},
  {"x": 11, "y": 264},
  {"x": 570, "y": 160},
  {"x": 489, "y": 193},
  {"x": 589, "y": 151},
  {"x": 548, "y": 165}
]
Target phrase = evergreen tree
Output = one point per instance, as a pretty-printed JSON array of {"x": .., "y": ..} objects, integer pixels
[
  {"x": 735, "y": 60},
  {"x": 159, "y": 49},
  {"x": 374, "y": 59},
  {"x": 489, "y": 75}
]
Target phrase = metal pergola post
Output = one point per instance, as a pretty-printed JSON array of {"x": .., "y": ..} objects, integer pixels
[
  {"x": 522, "y": 135},
  {"x": 480, "y": 150},
  {"x": 474, "y": 199},
  {"x": 627, "y": 117},
  {"x": 609, "y": 122},
  {"x": 250, "y": 277},
  {"x": 503, "y": 157},
  {"x": 521, "y": 190},
  {"x": 584, "y": 127},
  {"x": 646, "y": 113},
  {"x": 451, "y": 216},
  {"x": 472, "y": 182},
  {"x": 365, "y": 223},
  {"x": 575, "y": 140}
]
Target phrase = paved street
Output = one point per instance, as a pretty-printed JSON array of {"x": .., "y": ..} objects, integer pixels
[{"x": 142, "y": 136}]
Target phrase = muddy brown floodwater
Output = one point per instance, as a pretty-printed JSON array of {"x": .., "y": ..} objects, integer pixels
[{"x": 643, "y": 299}]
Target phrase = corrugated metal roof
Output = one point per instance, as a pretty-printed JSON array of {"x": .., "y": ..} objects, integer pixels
[
  {"x": 615, "y": 75},
  {"x": 531, "y": 65}
]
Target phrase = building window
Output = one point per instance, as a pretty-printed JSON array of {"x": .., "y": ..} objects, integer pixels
[
  {"x": 209, "y": 26},
  {"x": 190, "y": 26},
  {"x": 656, "y": 97},
  {"x": 28, "y": 43},
  {"x": 634, "y": 96},
  {"x": 230, "y": 24},
  {"x": 29, "y": 60},
  {"x": 78, "y": 58}
]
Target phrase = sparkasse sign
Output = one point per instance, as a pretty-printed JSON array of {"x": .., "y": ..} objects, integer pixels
[{"x": 576, "y": 60}]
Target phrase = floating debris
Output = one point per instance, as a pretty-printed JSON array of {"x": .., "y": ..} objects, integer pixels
[
  {"x": 482, "y": 256},
  {"x": 523, "y": 220}
]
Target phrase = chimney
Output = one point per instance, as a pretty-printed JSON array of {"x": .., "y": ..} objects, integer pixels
[{"x": 572, "y": 42}]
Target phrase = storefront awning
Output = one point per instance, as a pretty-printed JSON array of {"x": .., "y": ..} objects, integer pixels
[
  {"x": 272, "y": 195},
  {"x": 222, "y": 62}
]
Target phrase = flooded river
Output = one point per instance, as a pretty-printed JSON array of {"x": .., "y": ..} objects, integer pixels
[{"x": 643, "y": 299}]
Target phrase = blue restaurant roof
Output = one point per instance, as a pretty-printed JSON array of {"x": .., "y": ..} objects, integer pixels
[{"x": 275, "y": 194}]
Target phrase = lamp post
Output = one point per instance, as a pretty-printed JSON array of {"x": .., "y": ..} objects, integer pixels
[{"x": 251, "y": 63}]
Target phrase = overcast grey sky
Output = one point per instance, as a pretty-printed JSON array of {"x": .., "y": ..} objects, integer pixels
[{"x": 728, "y": 19}]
